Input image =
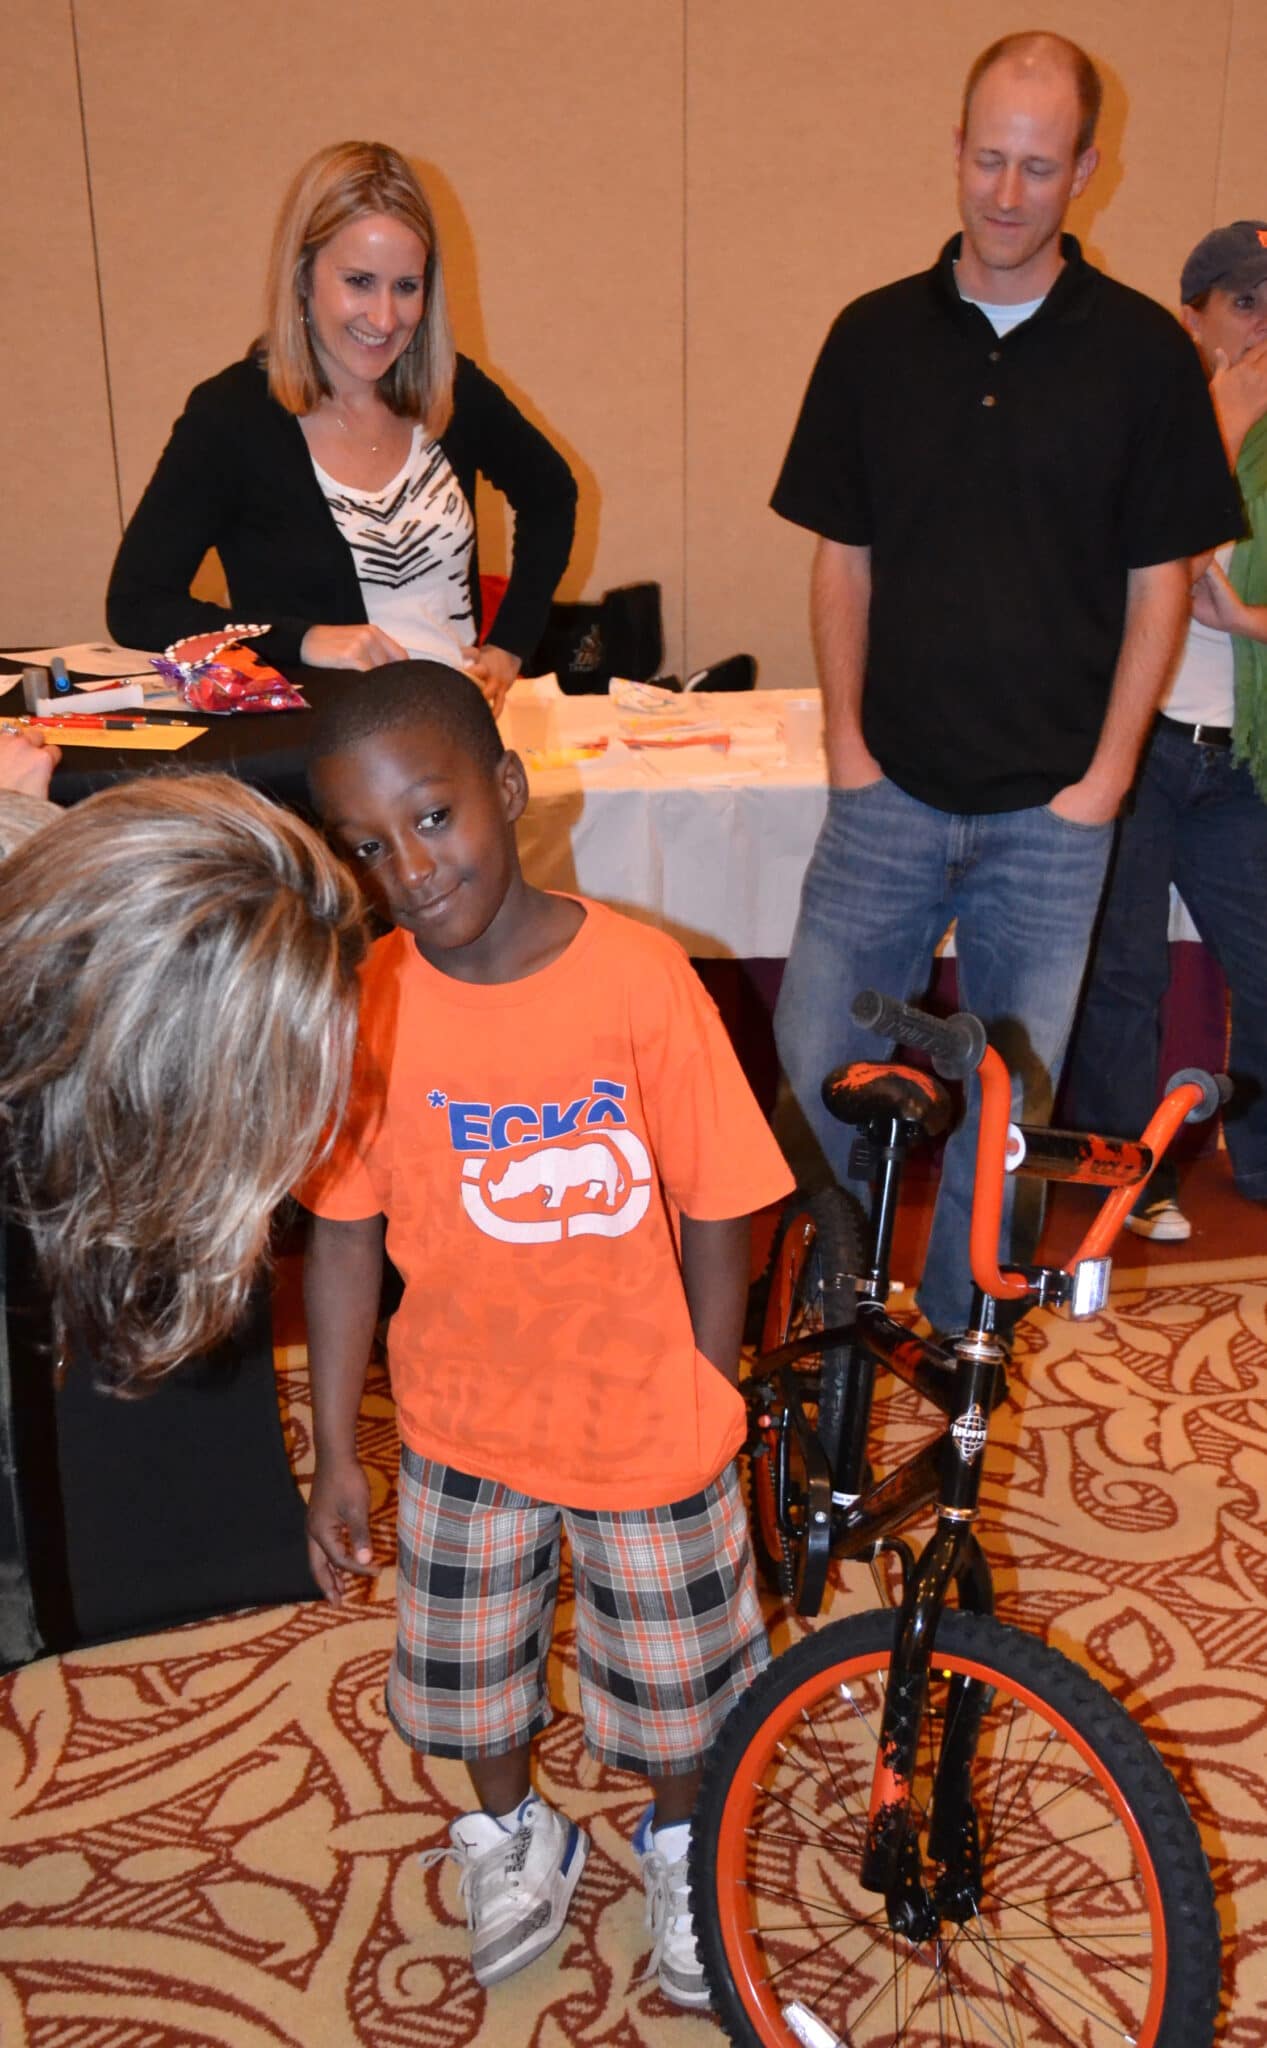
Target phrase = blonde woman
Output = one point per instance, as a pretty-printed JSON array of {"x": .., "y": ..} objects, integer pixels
[
  {"x": 178, "y": 982},
  {"x": 334, "y": 469}
]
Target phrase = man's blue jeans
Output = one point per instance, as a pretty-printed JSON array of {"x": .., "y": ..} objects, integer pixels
[
  {"x": 886, "y": 877},
  {"x": 1198, "y": 821}
]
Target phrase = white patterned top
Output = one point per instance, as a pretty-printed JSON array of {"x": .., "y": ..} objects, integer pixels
[{"x": 411, "y": 543}]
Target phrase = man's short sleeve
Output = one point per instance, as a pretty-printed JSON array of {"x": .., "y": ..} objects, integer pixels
[
  {"x": 714, "y": 1151},
  {"x": 1180, "y": 495},
  {"x": 822, "y": 484}
]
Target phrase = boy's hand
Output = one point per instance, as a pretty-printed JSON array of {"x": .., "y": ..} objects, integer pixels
[{"x": 339, "y": 1528}]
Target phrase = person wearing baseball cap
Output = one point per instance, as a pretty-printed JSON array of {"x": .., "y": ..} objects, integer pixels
[
  {"x": 1231, "y": 259},
  {"x": 1200, "y": 812}
]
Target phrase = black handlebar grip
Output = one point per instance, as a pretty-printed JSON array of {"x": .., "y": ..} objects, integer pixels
[
  {"x": 1216, "y": 1089},
  {"x": 954, "y": 1044}
]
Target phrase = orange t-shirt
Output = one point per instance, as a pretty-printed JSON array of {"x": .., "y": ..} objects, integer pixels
[{"x": 530, "y": 1144}]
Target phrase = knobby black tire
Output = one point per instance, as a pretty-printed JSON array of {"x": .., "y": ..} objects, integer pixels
[
  {"x": 1088, "y": 1853},
  {"x": 823, "y": 1236}
]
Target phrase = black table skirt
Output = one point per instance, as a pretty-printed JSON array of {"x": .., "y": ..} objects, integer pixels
[{"x": 120, "y": 1516}]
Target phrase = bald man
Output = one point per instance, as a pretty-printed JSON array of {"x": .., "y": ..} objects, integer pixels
[{"x": 1007, "y": 460}]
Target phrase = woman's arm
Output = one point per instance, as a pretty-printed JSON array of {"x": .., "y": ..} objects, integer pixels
[
  {"x": 182, "y": 512},
  {"x": 1215, "y": 603},
  {"x": 489, "y": 434},
  {"x": 235, "y": 476}
]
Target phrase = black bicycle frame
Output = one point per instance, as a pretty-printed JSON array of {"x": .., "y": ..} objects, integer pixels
[{"x": 965, "y": 1384}]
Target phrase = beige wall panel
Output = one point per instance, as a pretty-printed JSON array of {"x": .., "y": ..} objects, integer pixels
[
  {"x": 550, "y": 135},
  {"x": 819, "y": 165},
  {"x": 1241, "y": 190},
  {"x": 60, "y": 516}
]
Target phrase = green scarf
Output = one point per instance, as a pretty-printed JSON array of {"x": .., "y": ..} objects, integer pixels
[{"x": 1247, "y": 574}]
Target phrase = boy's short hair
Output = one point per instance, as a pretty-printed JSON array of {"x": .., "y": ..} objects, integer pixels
[{"x": 405, "y": 693}]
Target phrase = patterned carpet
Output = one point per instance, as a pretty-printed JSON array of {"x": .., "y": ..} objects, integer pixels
[{"x": 209, "y": 1835}]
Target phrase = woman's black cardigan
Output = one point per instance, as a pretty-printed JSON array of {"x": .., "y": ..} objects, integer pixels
[{"x": 236, "y": 476}]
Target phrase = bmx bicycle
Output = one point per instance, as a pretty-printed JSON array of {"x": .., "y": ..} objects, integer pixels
[{"x": 926, "y": 1828}]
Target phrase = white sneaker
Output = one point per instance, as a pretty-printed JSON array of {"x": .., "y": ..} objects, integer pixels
[
  {"x": 1162, "y": 1220},
  {"x": 517, "y": 1882},
  {"x": 674, "y": 1956}
]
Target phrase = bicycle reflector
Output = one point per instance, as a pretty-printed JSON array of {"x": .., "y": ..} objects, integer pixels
[{"x": 1089, "y": 1286}]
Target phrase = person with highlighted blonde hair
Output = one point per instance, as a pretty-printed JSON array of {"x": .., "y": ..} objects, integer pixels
[
  {"x": 334, "y": 468},
  {"x": 178, "y": 982}
]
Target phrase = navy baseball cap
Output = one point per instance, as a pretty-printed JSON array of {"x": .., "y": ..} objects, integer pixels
[{"x": 1233, "y": 258}]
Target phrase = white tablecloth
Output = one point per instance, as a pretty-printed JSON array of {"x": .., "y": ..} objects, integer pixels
[{"x": 708, "y": 845}]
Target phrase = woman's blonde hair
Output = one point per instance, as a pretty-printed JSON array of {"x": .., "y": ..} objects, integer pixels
[
  {"x": 178, "y": 985},
  {"x": 341, "y": 183}
]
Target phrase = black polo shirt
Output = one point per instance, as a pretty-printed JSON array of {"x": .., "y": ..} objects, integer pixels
[{"x": 1004, "y": 487}]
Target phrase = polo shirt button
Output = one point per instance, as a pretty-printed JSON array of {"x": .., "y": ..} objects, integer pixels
[
  {"x": 996, "y": 355},
  {"x": 989, "y": 399}
]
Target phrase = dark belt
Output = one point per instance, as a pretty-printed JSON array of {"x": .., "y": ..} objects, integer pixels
[{"x": 1200, "y": 735}]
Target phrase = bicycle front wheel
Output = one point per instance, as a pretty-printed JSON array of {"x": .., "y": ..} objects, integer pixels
[{"x": 1080, "y": 1915}]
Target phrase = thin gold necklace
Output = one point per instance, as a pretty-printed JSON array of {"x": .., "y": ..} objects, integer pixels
[{"x": 372, "y": 445}]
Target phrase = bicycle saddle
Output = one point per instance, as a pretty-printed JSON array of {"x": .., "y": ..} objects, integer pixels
[{"x": 857, "y": 1093}]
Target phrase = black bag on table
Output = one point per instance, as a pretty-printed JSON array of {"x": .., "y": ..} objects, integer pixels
[{"x": 585, "y": 645}]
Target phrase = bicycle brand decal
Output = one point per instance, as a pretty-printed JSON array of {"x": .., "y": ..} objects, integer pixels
[{"x": 969, "y": 1433}]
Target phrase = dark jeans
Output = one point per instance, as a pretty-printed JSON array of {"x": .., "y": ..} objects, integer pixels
[
  {"x": 1198, "y": 822},
  {"x": 886, "y": 877}
]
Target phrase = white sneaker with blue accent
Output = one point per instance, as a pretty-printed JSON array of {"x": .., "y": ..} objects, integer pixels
[
  {"x": 675, "y": 1962},
  {"x": 517, "y": 1880}
]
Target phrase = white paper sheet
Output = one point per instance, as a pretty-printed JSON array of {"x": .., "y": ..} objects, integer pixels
[{"x": 91, "y": 658}]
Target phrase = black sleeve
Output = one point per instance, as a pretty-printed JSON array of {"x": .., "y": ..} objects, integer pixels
[
  {"x": 188, "y": 506},
  {"x": 822, "y": 484},
  {"x": 535, "y": 480},
  {"x": 1180, "y": 496}
]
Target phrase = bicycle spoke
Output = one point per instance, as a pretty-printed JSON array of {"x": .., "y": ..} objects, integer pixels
[
  {"x": 1018, "y": 1976},
  {"x": 1046, "y": 1942}
]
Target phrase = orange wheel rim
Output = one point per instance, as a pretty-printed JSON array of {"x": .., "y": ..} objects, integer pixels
[{"x": 739, "y": 1940}]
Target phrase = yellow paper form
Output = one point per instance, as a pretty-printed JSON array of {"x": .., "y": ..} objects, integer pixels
[{"x": 154, "y": 739}]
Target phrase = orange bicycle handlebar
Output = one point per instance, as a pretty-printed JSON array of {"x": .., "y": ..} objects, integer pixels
[
  {"x": 1163, "y": 1124},
  {"x": 987, "y": 1193},
  {"x": 958, "y": 1047}
]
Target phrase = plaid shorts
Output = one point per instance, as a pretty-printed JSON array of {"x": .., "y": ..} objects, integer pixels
[{"x": 668, "y": 1625}]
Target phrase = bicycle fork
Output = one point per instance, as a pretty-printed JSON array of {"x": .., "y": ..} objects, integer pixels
[{"x": 891, "y": 1862}]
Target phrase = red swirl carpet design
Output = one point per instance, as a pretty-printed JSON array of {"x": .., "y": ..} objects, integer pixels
[{"x": 210, "y": 1836}]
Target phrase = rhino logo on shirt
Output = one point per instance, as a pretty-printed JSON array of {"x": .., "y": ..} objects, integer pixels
[
  {"x": 592, "y": 1189},
  {"x": 554, "y": 1170}
]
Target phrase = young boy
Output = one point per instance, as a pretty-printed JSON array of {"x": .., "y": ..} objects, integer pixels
[{"x": 551, "y": 1121}]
